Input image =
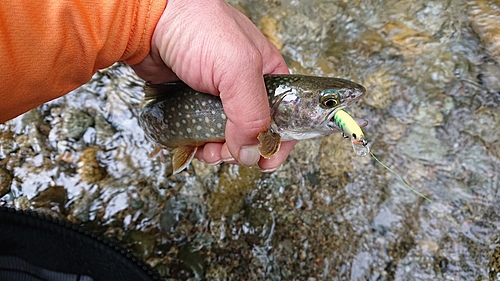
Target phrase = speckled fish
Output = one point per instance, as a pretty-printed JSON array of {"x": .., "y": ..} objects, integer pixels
[{"x": 302, "y": 107}]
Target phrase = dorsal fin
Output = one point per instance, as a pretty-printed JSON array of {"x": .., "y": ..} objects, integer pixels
[{"x": 155, "y": 91}]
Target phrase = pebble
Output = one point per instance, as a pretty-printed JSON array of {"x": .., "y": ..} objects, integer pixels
[
  {"x": 5, "y": 182},
  {"x": 75, "y": 123},
  {"x": 379, "y": 83},
  {"x": 484, "y": 17}
]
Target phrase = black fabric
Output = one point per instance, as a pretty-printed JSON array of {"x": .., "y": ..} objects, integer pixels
[
  {"x": 38, "y": 246},
  {"x": 15, "y": 268}
]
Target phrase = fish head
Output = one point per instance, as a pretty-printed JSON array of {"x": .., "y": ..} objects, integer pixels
[{"x": 305, "y": 108}]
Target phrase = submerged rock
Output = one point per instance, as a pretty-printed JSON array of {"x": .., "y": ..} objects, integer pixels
[
  {"x": 270, "y": 27},
  {"x": 5, "y": 182},
  {"x": 141, "y": 243},
  {"x": 52, "y": 197},
  {"x": 422, "y": 143},
  {"x": 335, "y": 156},
  {"x": 494, "y": 265},
  {"x": 7, "y": 144},
  {"x": 481, "y": 123},
  {"x": 75, "y": 123},
  {"x": 235, "y": 182},
  {"x": 174, "y": 211},
  {"x": 90, "y": 169},
  {"x": 484, "y": 17},
  {"x": 380, "y": 84}
]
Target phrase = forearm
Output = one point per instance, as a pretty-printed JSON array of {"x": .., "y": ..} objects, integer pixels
[{"x": 49, "y": 48}]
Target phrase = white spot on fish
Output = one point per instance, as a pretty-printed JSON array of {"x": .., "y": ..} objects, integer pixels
[
  {"x": 169, "y": 116},
  {"x": 197, "y": 102},
  {"x": 213, "y": 112},
  {"x": 188, "y": 115},
  {"x": 219, "y": 125},
  {"x": 207, "y": 120},
  {"x": 198, "y": 128},
  {"x": 223, "y": 116},
  {"x": 179, "y": 114},
  {"x": 207, "y": 135},
  {"x": 177, "y": 124},
  {"x": 172, "y": 132},
  {"x": 212, "y": 130},
  {"x": 172, "y": 108},
  {"x": 210, "y": 101},
  {"x": 188, "y": 130},
  {"x": 193, "y": 121},
  {"x": 203, "y": 103},
  {"x": 186, "y": 106},
  {"x": 180, "y": 133},
  {"x": 184, "y": 121}
]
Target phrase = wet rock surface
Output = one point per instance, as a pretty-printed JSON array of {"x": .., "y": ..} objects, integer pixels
[
  {"x": 431, "y": 73},
  {"x": 5, "y": 182}
]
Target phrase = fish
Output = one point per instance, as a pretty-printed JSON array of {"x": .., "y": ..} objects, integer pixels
[{"x": 302, "y": 107}]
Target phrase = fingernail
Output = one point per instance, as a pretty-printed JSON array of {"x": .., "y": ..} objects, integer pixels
[
  {"x": 216, "y": 162},
  {"x": 229, "y": 159},
  {"x": 270, "y": 170},
  {"x": 249, "y": 155}
]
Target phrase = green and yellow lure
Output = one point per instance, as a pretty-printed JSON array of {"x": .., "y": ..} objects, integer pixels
[{"x": 351, "y": 129}]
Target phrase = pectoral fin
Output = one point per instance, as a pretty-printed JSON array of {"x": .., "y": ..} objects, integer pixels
[
  {"x": 361, "y": 122},
  {"x": 157, "y": 149},
  {"x": 269, "y": 143},
  {"x": 182, "y": 156}
]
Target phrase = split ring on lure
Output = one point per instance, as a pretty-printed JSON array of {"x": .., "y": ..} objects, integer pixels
[{"x": 351, "y": 129}]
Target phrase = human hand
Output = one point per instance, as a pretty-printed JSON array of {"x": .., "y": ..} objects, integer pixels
[{"x": 215, "y": 49}]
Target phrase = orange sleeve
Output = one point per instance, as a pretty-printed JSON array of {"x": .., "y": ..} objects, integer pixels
[{"x": 50, "y": 47}]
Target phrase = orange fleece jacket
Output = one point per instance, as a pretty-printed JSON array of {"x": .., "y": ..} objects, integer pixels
[{"x": 50, "y": 47}]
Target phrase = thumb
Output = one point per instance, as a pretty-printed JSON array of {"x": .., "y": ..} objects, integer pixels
[{"x": 247, "y": 108}]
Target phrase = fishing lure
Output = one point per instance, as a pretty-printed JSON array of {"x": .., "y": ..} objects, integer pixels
[{"x": 351, "y": 129}]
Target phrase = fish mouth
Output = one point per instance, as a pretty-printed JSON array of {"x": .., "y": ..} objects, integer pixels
[
  {"x": 348, "y": 96},
  {"x": 330, "y": 121}
]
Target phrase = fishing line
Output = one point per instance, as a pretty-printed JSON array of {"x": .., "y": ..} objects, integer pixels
[{"x": 400, "y": 178}]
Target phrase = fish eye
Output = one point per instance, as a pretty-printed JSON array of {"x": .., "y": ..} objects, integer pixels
[{"x": 329, "y": 98}]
